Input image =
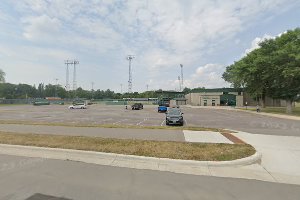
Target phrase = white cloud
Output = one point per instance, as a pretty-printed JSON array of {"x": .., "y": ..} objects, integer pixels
[
  {"x": 209, "y": 76},
  {"x": 255, "y": 43},
  {"x": 41, "y": 27},
  {"x": 162, "y": 34}
]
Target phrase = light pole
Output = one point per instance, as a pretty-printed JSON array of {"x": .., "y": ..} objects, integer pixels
[
  {"x": 56, "y": 83},
  {"x": 129, "y": 58},
  {"x": 92, "y": 89}
]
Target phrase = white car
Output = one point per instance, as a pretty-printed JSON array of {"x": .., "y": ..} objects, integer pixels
[{"x": 78, "y": 106}]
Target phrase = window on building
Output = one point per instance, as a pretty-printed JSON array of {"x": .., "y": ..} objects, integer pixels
[{"x": 213, "y": 102}]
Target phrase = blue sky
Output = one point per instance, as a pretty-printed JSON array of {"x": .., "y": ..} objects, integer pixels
[{"x": 37, "y": 36}]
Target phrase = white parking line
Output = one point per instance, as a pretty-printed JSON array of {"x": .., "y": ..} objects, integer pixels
[
  {"x": 162, "y": 123},
  {"x": 106, "y": 120},
  {"x": 141, "y": 122},
  {"x": 185, "y": 123},
  {"x": 120, "y": 121}
]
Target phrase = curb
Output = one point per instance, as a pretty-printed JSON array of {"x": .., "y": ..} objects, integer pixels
[
  {"x": 289, "y": 117},
  {"x": 281, "y": 116},
  {"x": 120, "y": 160}
]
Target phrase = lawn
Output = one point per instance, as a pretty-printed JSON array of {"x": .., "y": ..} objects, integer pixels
[
  {"x": 173, "y": 150},
  {"x": 191, "y": 128}
]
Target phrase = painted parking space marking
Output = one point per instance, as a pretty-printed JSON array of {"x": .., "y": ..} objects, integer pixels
[
  {"x": 141, "y": 122},
  {"x": 118, "y": 122},
  {"x": 185, "y": 123}
]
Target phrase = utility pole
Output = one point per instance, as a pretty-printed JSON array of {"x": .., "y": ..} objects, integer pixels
[
  {"x": 181, "y": 66},
  {"x": 121, "y": 88},
  {"x": 129, "y": 58},
  {"x": 147, "y": 86}
]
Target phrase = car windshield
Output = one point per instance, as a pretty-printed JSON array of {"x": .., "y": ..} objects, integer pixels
[{"x": 174, "y": 112}]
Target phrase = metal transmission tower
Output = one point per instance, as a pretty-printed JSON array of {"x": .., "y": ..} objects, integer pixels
[
  {"x": 130, "y": 57},
  {"x": 68, "y": 62},
  {"x": 75, "y": 62},
  {"x": 179, "y": 83},
  {"x": 181, "y": 66}
]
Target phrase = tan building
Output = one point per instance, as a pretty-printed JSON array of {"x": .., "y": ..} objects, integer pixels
[
  {"x": 216, "y": 97},
  {"x": 228, "y": 97}
]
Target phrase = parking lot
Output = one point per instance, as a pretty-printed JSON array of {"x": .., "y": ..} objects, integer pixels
[{"x": 118, "y": 115}]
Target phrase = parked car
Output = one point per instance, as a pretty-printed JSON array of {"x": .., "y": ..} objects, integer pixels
[
  {"x": 174, "y": 116},
  {"x": 162, "y": 109},
  {"x": 78, "y": 106},
  {"x": 137, "y": 106}
]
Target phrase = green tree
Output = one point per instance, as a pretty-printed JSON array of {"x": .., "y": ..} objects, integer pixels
[
  {"x": 2, "y": 76},
  {"x": 272, "y": 70}
]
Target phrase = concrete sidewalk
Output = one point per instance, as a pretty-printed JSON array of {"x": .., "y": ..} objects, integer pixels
[
  {"x": 280, "y": 155},
  {"x": 236, "y": 168},
  {"x": 205, "y": 137}
]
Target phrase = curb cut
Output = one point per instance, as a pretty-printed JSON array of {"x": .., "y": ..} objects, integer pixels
[{"x": 120, "y": 160}]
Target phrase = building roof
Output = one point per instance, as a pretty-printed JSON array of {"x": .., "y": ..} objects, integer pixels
[{"x": 217, "y": 90}]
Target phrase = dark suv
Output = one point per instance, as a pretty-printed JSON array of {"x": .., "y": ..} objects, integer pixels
[
  {"x": 137, "y": 106},
  {"x": 174, "y": 116}
]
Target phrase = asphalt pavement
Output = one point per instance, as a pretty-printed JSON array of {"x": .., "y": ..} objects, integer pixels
[
  {"x": 24, "y": 178},
  {"x": 118, "y": 115},
  {"x": 120, "y": 133}
]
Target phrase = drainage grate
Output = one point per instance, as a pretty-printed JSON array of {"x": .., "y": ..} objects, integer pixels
[{"x": 38, "y": 196}]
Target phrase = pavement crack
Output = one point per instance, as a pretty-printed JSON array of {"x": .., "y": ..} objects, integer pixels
[{"x": 270, "y": 174}]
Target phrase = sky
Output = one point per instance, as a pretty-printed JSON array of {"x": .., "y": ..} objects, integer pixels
[{"x": 37, "y": 36}]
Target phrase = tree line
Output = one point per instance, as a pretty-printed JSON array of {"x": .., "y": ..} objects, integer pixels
[
  {"x": 271, "y": 70},
  {"x": 24, "y": 91}
]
